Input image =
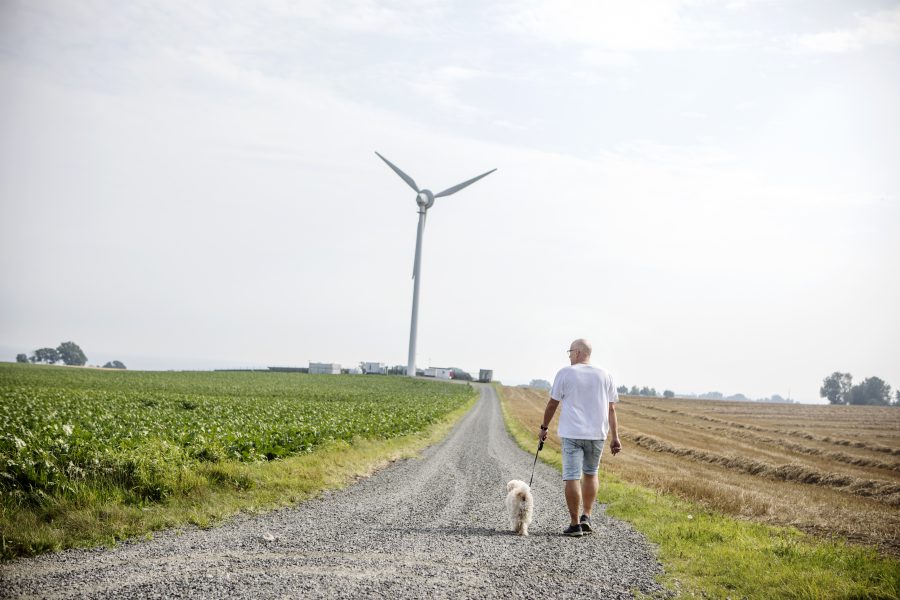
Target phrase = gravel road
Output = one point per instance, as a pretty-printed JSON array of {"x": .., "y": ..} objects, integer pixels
[{"x": 431, "y": 527}]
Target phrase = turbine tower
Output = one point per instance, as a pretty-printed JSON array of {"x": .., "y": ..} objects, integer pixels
[{"x": 425, "y": 199}]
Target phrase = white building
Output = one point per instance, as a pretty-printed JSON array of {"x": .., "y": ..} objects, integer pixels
[
  {"x": 373, "y": 368},
  {"x": 438, "y": 373},
  {"x": 324, "y": 369}
]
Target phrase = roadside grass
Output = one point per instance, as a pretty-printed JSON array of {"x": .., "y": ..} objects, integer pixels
[
  {"x": 208, "y": 494},
  {"x": 707, "y": 554}
]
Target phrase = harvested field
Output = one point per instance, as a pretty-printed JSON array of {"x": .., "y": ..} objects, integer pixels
[{"x": 828, "y": 470}]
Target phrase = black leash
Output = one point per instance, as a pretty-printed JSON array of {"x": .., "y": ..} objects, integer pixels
[{"x": 540, "y": 447}]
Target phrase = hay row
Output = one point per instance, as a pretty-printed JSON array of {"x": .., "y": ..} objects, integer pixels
[
  {"x": 881, "y": 491},
  {"x": 856, "y": 461},
  {"x": 793, "y": 433}
]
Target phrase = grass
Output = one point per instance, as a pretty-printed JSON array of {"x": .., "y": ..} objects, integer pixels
[{"x": 708, "y": 554}]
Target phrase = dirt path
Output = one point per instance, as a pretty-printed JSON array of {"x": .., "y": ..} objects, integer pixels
[{"x": 433, "y": 527}]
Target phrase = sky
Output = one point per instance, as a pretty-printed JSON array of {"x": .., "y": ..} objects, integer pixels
[{"x": 709, "y": 191}]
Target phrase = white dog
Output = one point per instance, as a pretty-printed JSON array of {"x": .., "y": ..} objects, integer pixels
[{"x": 520, "y": 504}]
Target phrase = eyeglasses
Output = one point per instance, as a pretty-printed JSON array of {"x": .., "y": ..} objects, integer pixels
[{"x": 571, "y": 350}]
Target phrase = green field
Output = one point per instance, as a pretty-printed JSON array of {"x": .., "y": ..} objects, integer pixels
[{"x": 75, "y": 438}]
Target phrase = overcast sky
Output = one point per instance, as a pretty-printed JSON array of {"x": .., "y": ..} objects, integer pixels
[{"x": 707, "y": 190}]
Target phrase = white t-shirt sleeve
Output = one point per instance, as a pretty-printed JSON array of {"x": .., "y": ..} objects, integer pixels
[
  {"x": 613, "y": 393},
  {"x": 558, "y": 391}
]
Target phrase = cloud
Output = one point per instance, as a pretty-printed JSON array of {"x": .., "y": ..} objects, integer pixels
[
  {"x": 608, "y": 58},
  {"x": 364, "y": 16},
  {"x": 442, "y": 86},
  {"x": 606, "y": 24},
  {"x": 881, "y": 28}
]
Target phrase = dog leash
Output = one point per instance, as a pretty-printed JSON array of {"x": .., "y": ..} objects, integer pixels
[{"x": 540, "y": 447}]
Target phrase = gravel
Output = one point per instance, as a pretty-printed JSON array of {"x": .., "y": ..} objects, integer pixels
[{"x": 430, "y": 527}]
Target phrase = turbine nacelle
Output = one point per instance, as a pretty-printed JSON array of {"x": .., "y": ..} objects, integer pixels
[{"x": 425, "y": 199}]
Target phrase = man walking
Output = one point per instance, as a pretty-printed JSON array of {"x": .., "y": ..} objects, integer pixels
[{"x": 588, "y": 398}]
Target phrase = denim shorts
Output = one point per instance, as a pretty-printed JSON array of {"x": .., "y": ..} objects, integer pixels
[{"x": 580, "y": 456}]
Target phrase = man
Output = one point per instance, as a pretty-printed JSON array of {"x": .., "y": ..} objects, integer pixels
[{"x": 588, "y": 398}]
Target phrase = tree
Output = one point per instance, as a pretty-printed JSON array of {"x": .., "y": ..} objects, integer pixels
[
  {"x": 836, "y": 387},
  {"x": 48, "y": 355},
  {"x": 668, "y": 394},
  {"x": 622, "y": 389},
  {"x": 540, "y": 384},
  {"x": 897, "y": 398},
  {"x": 872, "y": 391},
  {"x": 71, "y": 354},
  {"x": 21, "y": 358},
  {"x": 635, "y": 391},
  {"x": 114, "y": 364}
]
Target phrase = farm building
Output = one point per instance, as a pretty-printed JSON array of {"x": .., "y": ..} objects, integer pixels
[
  {"x": 373, "y": 368},
  {"x": 439, "y": 373},
  {"x": 485, "y": 375},
  {"x": 324, "y": 368}
]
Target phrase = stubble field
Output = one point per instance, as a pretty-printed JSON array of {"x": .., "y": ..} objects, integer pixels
[{"x": 833, "y": 471}]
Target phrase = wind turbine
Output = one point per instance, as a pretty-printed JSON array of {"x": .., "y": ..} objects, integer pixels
[{"x": 425, "y": 199}]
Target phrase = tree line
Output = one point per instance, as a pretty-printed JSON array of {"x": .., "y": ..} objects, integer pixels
[
  {"x": 68, "y": 353},
  {"x": 873, "y": 391},
  {"x": 644, "y": 391}
]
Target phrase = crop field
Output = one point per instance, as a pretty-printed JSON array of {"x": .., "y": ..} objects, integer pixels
[
  {"x": 139, "y": 438},
  {"x": 833, "y": 471}
]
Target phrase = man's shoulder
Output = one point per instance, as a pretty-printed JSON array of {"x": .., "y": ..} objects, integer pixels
[
  {"x": 580, "y": 370},
  {"x": 601, "y": 370},
  {"x": 592, "y": 371},
  {"x": 589, "y": 367},
  {"x": 569, "y": 371}
]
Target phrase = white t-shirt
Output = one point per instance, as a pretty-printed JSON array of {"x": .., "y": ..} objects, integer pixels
[{"x": 584, "y": 393}]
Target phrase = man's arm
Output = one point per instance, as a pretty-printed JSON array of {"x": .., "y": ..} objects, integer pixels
[
  {"x": 548, "y": 416},
  {"x": 615, "y": 445}
]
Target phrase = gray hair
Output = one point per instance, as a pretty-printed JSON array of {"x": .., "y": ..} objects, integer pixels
[{"x": 583, "y": 346}]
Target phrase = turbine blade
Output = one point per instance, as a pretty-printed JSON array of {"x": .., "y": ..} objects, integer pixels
[
  {"x": 460, "y": 186},
  {"x": 403, "y": 176}
]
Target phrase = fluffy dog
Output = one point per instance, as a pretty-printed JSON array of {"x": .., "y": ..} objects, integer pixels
[{"x": 520, "y": 504}]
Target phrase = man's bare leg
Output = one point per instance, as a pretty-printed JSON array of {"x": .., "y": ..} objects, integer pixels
[
  {"x": 589, "y": 486},
  {"x": 573, "y": 499}
]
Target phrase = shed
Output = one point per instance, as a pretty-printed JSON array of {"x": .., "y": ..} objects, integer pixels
[
  {"x": 373, "y": 368},
  {"x": 439, "y": 373},
  {"x": 324, "y": 368}
]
